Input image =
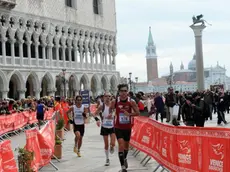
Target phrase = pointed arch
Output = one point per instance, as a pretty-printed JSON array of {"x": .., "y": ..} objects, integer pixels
[
  {"x": 32, "y": 84},
  {"x": 16, "y": 85},
  {"x": 95, "y": 85},
  {"x": 74, "y": 85},
  {"x": 47, "y": 84},
  {"x": 19, "y": 79},
  {"x": 105, "y": 83},
  {"x": 113, "y": 84},
  {"x": 84, "y": 81}
]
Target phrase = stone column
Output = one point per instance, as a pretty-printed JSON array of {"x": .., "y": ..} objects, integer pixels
[
  {"x": 21, "y": 51},
  {"x": 12, "y": 41},
  {"x": 199, "y": 55},
  {"x": 57, "y": 55},
  {"x": 4, "y": 94},
  {"x": 50, "y": 54},
  {"x": 28, "y": 43},
  {"x": 21, "y": 94},
  {"x": 4, "y": 50},
  {"x": 51, "y": 92},
  {"x": 70, "y": 57},
  {"x": 36, "y": 52},
  {"x": 76, "y": 92},
  {"x": 63, "y": 55},
  {"x": 37, "y": 93},
  {"x": 44, "y": 55}
]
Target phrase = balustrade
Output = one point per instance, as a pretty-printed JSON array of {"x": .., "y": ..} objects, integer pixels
[{"x": 28, "y": 43}]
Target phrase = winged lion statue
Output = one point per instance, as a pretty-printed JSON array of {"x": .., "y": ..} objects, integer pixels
[{"x": 199, "y": 19}]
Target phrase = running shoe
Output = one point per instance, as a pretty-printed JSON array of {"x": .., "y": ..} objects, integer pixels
[
  {"x": 78, "y": 154},
  {"x": 111, "y": 149},
  {"x": 107, "y": 163},
  {"x": 75, "y": 149}
]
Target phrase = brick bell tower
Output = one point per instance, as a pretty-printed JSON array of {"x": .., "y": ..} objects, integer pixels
[{"x": 151, "y": 58}]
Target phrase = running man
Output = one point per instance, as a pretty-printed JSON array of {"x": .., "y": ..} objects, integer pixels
[
  {"x": 107, "y": 126},
  {"x": 40, "y": 113},
  {"x": 78, "y": 112},
  {"x": 125, "y": 109}
]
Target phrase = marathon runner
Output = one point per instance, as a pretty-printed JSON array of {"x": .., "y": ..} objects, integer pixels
[
  {"x": 107, "y": 126},
  {"x": 125, "y": 109},
  {"x": 77, "y": 118}
]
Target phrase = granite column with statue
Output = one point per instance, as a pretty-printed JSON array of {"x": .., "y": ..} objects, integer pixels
[{"x": 198, "y": 29}]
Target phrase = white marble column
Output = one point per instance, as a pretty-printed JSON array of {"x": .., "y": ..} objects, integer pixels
[
  {"x": 76, "y": 93},
  {"x": 36, "y": 53},
  {"x": 86, "y": 58},
  {"x": 21, "y": 94},
  {"x": 63, "y": 56},
  {"x": 12, "y": 42},
  {"x": 28, "y": 43},
  {"x": 57, "y": 55},
  {"x": 37, "y": 93},
  {"x": 4, "y": 94},
  {"x": 3, "y": 40},
  {"x": 20, "y": 42},
  {"x": 198, "y": 29},
  {"x": 44, "y": 55},
  {"x": 50, "y": 54},
  {"x": 70, "y": 57},
  {"x": 81, "y": 57},
  {"x": 76, "y": 57}
]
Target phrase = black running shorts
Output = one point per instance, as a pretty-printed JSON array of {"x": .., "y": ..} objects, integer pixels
[
  {"x": 40, "y": 116},
  {"x": 79, "y": 128},
  {"x": 106, "y": 131},
  {"x": 124, "y": 134}
]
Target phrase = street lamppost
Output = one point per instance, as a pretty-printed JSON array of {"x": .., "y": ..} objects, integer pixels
[
  {"x": 130, "y": 81},
  {"x": 136, "y": 79},
  {"x": 64, "y": 81}
]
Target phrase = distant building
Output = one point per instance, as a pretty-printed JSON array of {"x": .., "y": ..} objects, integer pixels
[{"x": 151, "y": 59}]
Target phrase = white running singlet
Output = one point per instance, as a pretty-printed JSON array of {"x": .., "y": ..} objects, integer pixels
[
  {"x": 78, "y": 117},
  {"x": 107, "y": 123}
]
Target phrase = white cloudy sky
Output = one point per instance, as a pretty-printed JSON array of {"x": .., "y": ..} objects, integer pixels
[{"x": 170, "y": 21}]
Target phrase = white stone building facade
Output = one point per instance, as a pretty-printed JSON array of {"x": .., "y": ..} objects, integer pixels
[{"x": 57, "y": 47}]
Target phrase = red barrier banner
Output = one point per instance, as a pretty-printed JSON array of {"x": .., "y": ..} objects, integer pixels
[
  {"x": 1, "y": 166},
  {"x": 32, "y": 117},
  {"x": 93, "y": 108},
  {"x": 46, "y": 139},
  {"x": 18, "y": 120},
  {"x": 7, "y": 156},
  {"x": 183, "y": 149},
  {"x": 32, "y": 145},
  {"x": 49, "y": 114}
]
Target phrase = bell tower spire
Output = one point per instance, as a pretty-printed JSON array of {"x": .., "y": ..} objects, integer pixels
[
  {"x": 150, "y": 48},
  {"x": 151, "y": 58}
]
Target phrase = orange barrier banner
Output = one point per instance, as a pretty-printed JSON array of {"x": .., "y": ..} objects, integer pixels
[
  {"x": 32, "y": 145},
  {"x": 46, "y": 139},
  {"x": 8, "y": 163},
  {"x": 183, "y": 149}
]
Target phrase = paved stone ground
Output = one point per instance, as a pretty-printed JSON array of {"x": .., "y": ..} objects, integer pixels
[{"x": 93, "y": 157}]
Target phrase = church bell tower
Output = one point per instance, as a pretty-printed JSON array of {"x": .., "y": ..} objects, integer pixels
[{"x": 151, "y": 58}]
